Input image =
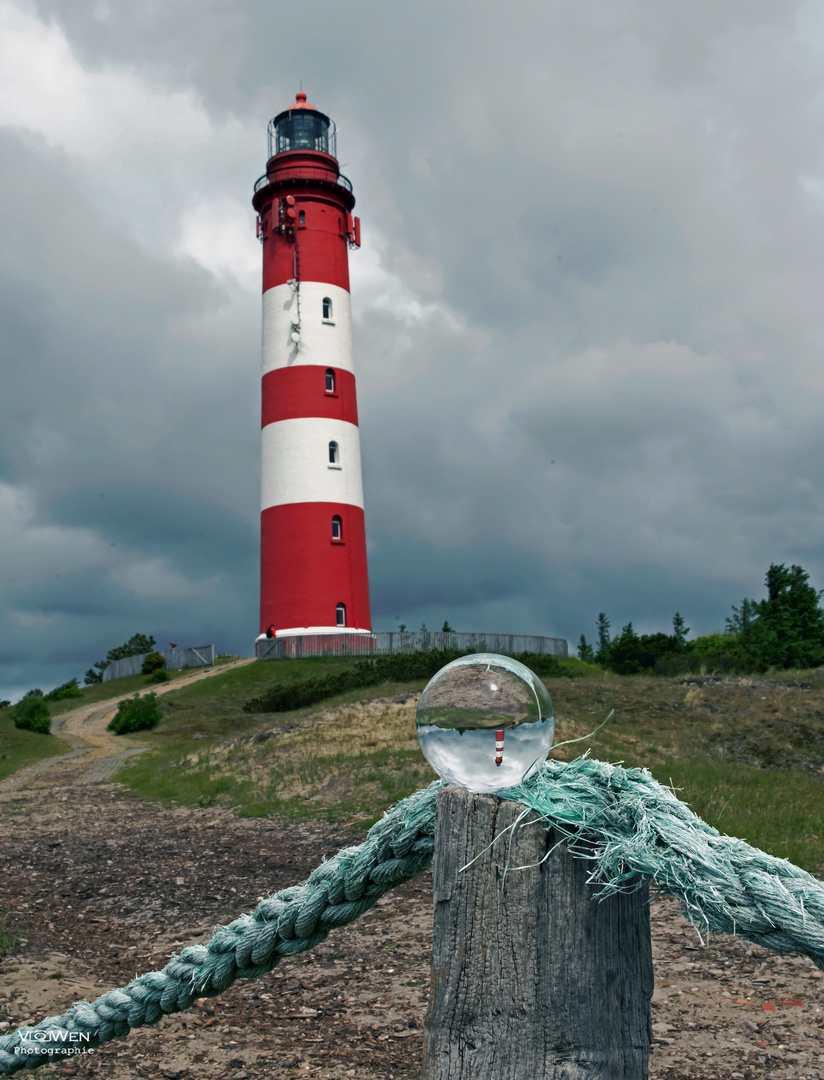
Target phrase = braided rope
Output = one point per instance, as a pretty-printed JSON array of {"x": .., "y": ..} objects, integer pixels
[
  {"x": 641, "y": 832},
  {"x": 396, "y": 849},
  {"x": 631, "y": 827}
]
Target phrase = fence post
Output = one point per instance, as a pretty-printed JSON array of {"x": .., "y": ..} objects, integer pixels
[{"x": 531, "y": 978}]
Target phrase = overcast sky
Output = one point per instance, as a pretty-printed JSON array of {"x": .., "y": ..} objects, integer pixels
[{"x": 589, "y": 324}]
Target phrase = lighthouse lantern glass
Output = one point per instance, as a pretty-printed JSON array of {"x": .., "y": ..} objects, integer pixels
[
  {"x": 485, "y": 722},
  {"x": 297, "y": 129}
]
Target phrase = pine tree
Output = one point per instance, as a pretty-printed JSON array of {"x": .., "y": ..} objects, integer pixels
[
  {"x": 135, "y": 646},
  {"x": 679, "y": 630},
  {"x": 602, "y": 652},
  {"x": 793, "y": 619},
  {"x": 623, "y": 652},
  {"x": 585, "y": 651},
  {"x": 742, "y": 619},
  {"x": 787, "y": 629}
]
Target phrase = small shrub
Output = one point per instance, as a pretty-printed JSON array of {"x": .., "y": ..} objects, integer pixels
[
  {"x": 159, "y": 676},
  {"x": 153, "y": 662},
  {"x": 136, "y": 714},
  {"x": 31, "y": 713},
  {"x": 69, "y": 689}
]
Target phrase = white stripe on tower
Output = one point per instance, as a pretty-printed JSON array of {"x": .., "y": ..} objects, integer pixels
[
  {"x": 326, "y": 342},
  {"x": 296, "y": 465}
]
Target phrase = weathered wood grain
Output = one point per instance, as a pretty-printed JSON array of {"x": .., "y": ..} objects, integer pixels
[{"x": 532, "y": 979}]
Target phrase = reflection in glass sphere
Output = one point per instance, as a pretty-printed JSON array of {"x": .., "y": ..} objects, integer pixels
[{"x": 485, "y": 722}]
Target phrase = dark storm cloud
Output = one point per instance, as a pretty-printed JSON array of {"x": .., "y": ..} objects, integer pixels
[
  {"x": 129, "y": 436},
  {"x": 194, "y": 534},
  {"x": 588, "y": 326},
  {"x": 95, "y": 360}
]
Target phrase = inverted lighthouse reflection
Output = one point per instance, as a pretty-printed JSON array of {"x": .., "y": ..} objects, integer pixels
[{"x": 485, "y": 722}]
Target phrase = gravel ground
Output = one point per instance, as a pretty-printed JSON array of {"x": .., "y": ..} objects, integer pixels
[{"x": 104, "y": 886}]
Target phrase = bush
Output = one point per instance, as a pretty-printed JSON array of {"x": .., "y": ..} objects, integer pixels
[
  {"x": 544, "y": 665},
  {"x": 153, "y": 662},
  {"x": 160, "y": 676},
  {"x": 721, "y": 654},
  {"x": 136, "y": 714},
  {"x": 69, "y": 689},
  {"x": 631, "y": 654},
  {"x": 31, "y": 713}
]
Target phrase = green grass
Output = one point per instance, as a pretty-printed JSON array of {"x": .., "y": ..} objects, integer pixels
[
  {"x": 222, "y": 697},
  {"x": 345, "y": 758},
  {"x": 8, "y": 940},
  {"x": 114, "y": 690},
  {"x": 578, "y": 669},
  {"x": 747, "y": 755},
  {"x": 19, "y": 748},
  {"x": 777, "y": 810}
]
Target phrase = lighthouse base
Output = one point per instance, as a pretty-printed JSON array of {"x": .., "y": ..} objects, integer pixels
[
  {"x": 297, "y": 631},
  {"x": 294, "y": 645}
]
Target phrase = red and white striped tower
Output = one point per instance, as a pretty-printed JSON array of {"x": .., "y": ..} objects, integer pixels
[{"x": 313, "y": 546}]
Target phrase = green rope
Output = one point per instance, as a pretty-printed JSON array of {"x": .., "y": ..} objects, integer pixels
[{"x": 631, "y": 827}]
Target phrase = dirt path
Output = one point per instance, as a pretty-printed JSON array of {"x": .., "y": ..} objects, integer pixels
[
  {"x": 84, "y": 731},
  {"x": 103, "y": 886}
]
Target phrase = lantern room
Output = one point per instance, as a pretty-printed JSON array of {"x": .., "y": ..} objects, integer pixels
[{"x": 302, "y": 127}]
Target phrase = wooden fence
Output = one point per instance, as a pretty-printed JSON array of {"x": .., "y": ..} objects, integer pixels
[
  {"x": 194, "y": 656},
  {"x": 382, "y": 644}
]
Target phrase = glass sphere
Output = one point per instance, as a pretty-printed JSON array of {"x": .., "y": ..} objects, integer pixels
[{"x": 485, "y": 722}]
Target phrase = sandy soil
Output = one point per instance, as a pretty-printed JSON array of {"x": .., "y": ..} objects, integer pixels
[{"x": 105, "y": 886}]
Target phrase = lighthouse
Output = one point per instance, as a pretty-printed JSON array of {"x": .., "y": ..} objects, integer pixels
[{"x": 313, "y": 576}]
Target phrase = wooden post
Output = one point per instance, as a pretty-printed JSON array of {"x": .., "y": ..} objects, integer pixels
[{"x": 532, "y": 979}]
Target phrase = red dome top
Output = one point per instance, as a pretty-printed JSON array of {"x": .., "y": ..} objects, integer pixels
[{"x": 300, "y": 102}]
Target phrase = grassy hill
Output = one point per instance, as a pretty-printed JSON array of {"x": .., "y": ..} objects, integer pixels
[
  {"x": 19, "y": 748},
  {"x": 746, "y": 753}
]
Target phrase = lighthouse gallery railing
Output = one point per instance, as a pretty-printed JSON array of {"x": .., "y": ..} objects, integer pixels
[{"x": 305, "y": 173}]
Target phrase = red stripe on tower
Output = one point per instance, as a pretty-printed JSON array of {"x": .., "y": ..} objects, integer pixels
[{"x": 313, "y": 544}]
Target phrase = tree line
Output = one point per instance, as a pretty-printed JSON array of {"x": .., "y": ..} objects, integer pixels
[{"x": 785, "y": 630}]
